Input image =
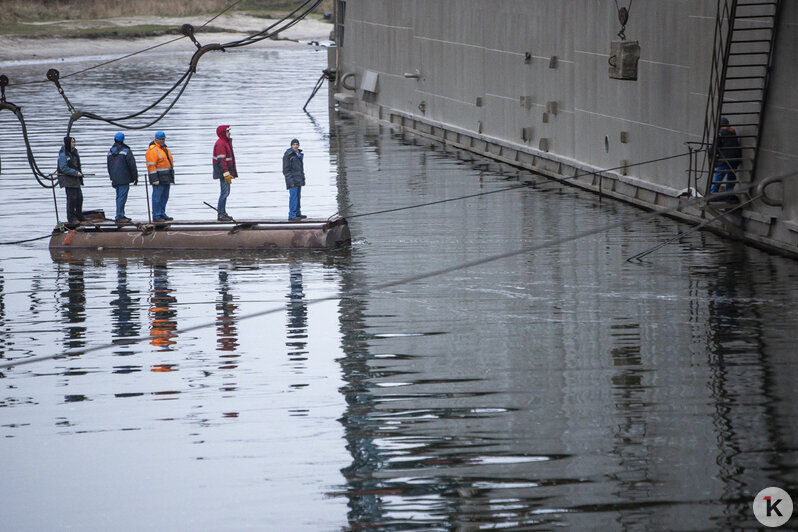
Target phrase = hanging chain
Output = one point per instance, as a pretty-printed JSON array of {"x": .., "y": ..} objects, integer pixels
[
  {"x": 53, "y": 76},
  {"x": 623, "y": 18}
]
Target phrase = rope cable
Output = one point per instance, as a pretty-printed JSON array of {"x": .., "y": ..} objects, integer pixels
[
  {"x": 23, "y": 241},
  {"x": 265, "y": 34},
  {"x": 222, "y": 12},
  {"x": 143, "y": 50},
  {"x": 76, "y": 115},
  {"x": 514, "y": 187},
  {"x": 265, "y": 30},
  {"x": 38, "y": 174},
  {"x": 382, "y": 286},
  {"x": 115, "y": 122},
  {"x": 187, "y": 76},
  {"x": 691, "y": 230}
]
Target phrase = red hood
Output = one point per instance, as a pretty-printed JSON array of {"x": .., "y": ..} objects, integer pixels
[{"x": 220, "y": 132}]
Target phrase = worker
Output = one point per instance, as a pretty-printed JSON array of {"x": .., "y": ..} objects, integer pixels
[
  {"x": 224, "y": 169},
  {"x": 729, "y": 157},
  {"x": 294, "y": 172},
  {"x": 161, "y": 171},
  {"x": 122, "y": 171},
  {"x": 70, "y": 177}
]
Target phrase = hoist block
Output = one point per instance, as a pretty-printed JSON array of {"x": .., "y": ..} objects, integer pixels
[{"x": 623, "y": 60}]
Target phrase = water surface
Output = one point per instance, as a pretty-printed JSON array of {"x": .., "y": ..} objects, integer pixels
[{"x": 564, "y": 387}]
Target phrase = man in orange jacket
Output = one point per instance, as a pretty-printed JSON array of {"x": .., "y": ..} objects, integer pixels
[{"x": 161, "y": 171}]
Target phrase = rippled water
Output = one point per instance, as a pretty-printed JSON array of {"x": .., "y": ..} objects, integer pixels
[{"x": 561, "y": 387}]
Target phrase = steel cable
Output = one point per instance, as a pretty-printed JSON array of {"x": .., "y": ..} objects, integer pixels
[
  {"x": 144, "y": 126},
  {"x": 143, "y": 50},
  {"x": 382, "y": 286},
  {"x": 23, "y": 241},
  {"x": 514, "y": 187},
  {"x": 186, "y": 76},
  {"x": 265, "y": 34},
  {"x": 683, "y": 234}
]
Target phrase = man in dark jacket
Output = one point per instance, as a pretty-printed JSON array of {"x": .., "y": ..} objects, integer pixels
[
  {"x": 70, "y": 177},
  {"x": 224, "y": 169},
  {"x": 122, "y": 171},
  {"x": 729, "y": 155},
  {"x": 294, "y": 172}
]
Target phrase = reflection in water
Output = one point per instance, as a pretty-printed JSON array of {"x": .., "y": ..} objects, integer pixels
[
  {"x": 596, "y": 395},
  {"x": 2, "y": 317},
  {"x": 362, "y": 490},
  {"x": 634, "y": 482},
  {"x": 226, "y": 329},
  {"x": 297, "y": 326},
  {"x": 74, "y": 306},
  {"x": 744, "y": 389},
  {"x": 163, "y": 322},
  {"x": 124, "y": 309}
]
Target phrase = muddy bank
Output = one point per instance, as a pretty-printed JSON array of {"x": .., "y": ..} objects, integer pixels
[{"x": 20, "y": 50}]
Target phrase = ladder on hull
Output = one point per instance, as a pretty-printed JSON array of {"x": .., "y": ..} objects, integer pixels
[{"x": 745, "y": 35}]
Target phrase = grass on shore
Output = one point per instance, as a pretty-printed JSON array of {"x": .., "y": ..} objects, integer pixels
[{"x": 49, "y": 17}]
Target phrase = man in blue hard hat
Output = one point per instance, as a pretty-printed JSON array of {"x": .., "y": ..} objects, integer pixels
[
  {"x": 122, "y": 171},
  {"x": 161, "y": 172}
]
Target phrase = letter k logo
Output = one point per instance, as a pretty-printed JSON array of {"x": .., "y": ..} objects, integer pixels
[{"x": 772, "y": 506}]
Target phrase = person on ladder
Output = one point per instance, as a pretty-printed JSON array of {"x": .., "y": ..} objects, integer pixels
[{"x": 729, "y": 154}]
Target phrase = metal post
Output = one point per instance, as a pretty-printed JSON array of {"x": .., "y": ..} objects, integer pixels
[
  {"x": 55, "y": 204},
  {"x": 147, "y": 192}
]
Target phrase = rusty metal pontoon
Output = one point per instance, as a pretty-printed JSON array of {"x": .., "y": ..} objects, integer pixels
[{"x": 206, "y": 235}]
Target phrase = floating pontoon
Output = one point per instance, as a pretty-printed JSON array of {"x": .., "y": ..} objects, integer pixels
[{"x": 206, "y": 235}]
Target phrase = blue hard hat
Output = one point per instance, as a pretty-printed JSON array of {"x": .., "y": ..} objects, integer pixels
[
  {"x": 160, "y": 135},
  {"x": 119, "y": 137}
]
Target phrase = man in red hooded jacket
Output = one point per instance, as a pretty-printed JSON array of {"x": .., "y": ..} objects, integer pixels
[{"x": 224, "y": 169}]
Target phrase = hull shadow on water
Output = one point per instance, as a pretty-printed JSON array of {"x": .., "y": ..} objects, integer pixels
[{"x": 656, "y": 406}]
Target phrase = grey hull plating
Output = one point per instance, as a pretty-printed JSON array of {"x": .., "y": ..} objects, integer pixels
[{"x": 527, "y": 84}]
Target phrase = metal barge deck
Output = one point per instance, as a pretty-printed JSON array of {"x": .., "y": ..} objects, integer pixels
[{"x": 206, "y": 235}]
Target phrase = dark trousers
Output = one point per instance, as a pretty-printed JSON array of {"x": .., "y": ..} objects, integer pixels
[{"x": 74, "y": 196}]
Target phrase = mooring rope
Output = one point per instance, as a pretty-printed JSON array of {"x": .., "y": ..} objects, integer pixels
[{"x": 625, "y": 220}]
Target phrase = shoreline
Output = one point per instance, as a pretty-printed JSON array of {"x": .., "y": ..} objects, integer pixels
[{"x": 18, "y": 50}]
